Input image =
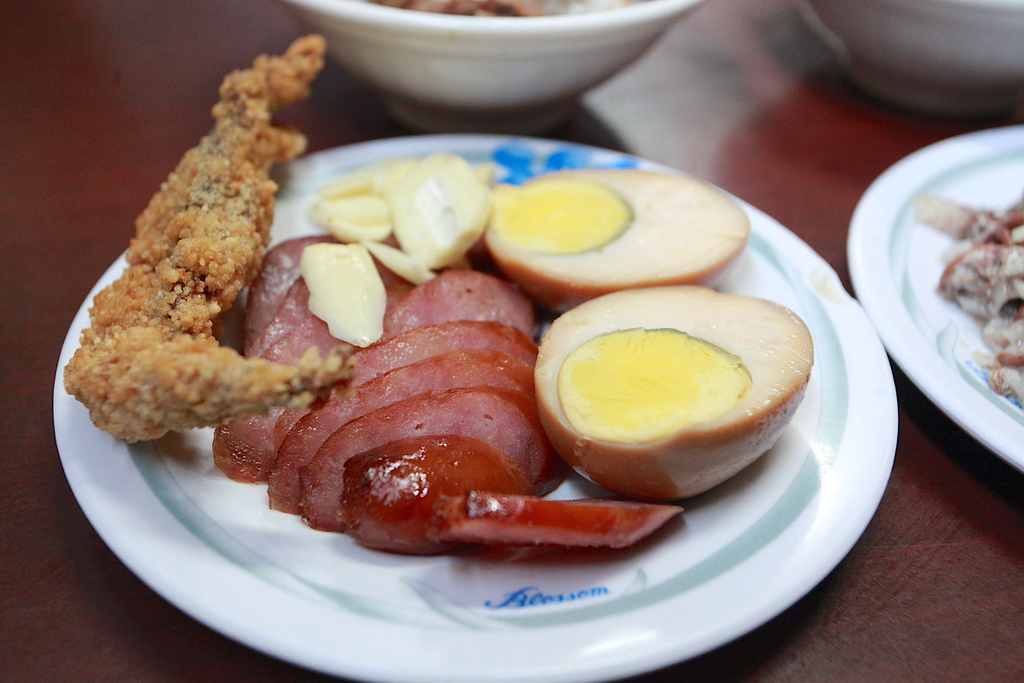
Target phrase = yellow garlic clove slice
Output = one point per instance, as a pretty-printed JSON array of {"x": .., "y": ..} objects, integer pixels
[
  {"x": 400, "y": 263},
  {"x": 439, "y": 209},
  {"x": 345, "y": 291},
  {"x": 353, "y": 218}
]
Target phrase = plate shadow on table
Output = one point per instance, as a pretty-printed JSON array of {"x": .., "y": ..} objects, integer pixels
[
  {"x": 344, "y": 110},
  {"x": 585, "y": 127},
  {"x": 963, "y": 453}
]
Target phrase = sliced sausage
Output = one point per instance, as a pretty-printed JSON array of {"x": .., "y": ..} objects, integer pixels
[
  {"x": 460, "y": 368},
  {"x": 462, "y": 295},
  {"x": 423, "y": 342},
  {"x": 381, "y": 509},
  {"x": 278, "y": 273},
  {"x": 291, "y": 313},
  {"x": 245, "y": 449},
  {"x": 503, "y": 519},
  {"x": 504, "y": 418}
]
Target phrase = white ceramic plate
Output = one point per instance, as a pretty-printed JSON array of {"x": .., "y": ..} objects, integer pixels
[
  {"x": 896, "y": 262},
  {"x": 740, "y": 555}
]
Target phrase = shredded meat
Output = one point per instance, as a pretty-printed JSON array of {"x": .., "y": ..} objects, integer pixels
[
  {"x": 985, "y": 277},
  {"x": 987, "y": 281}
]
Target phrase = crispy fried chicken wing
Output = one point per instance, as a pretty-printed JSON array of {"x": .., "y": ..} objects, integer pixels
[{"x": 150, "y": 362}]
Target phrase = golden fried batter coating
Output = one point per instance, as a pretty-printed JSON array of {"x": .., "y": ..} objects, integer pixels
[{"x": 150, "y": 362}]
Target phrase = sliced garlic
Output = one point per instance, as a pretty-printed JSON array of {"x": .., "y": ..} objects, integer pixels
[
  {"x": 353, "y": 218},
  {"x": 394, "y": 173},
  {"x": 375, "y": 178},
  {"x": 400, "y": 263},
  {"x": 439, "y": 209},
  {"x": 486, "y": 172},
  {"x": 345, "y": 291}
]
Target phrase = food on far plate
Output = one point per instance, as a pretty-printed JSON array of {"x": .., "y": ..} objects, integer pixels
[
  {"x": 569, "y": 236},
  {"x": 150, "y": 362},
  {"x": 984, "y": 275},
  {"x": 662, "y": 393}
]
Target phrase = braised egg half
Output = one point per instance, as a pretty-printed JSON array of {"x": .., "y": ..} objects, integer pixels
[
  {"x": 662, "y": 393},
  {"x": 568, "y": 236}
]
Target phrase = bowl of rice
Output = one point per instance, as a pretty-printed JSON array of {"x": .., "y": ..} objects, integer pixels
[
  {"x": 951, "y": 58},
  {"x": 502, "y": 66}
]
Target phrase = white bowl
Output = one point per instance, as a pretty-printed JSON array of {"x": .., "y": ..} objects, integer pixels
[
  {"x": 442, "y": 73},
  {"x": 961, "y": 58}
]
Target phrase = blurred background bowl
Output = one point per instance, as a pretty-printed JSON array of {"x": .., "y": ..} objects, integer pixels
[
  {"x": 959, "y": 58},
  {"x": 445, "y": 73}
]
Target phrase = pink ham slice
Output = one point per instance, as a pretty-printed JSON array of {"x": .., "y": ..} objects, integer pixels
[
  {"x": 245, "y": 449},
  {"x": 300, "y": 330},
  {"x": 509, "y": 519},
  {"x": 379, "y": 509},
  {"x": 462, "y": 295},
  {"x": 287, "y": 419},
  {"x": 292, "y": 312},
  {"x": 462, "y": 368},
  {"x": 272, "y": 312},
  {"x": 311, "y": 333},
  {"x": 240, "y": 447},
  {"x": 506, "y": 419},
  {"x": 424, "y": 342},
  {"x": 419, "y": 343},
  {"x": 278, "y": 273}
]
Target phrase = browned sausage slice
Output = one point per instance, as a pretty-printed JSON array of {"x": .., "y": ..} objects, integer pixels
[
  {"x": 390, "y": 491},
  {"x": 460, "y": 368},
  {"x": 504, "y": 418},
  {"x": 502, "y": 519}
]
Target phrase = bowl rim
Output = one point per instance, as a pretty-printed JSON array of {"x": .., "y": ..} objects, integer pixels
[
  {"x": 967, "y": 5},
  {"x": 368, "y": 13}
]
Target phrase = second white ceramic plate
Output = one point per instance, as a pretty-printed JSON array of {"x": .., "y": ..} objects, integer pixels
[
  {"x": 896, "y": 262},
  {"x": 740, "y": 555}
]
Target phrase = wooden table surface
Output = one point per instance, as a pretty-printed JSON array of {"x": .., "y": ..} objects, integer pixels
[{"x": 99, "y": 99}]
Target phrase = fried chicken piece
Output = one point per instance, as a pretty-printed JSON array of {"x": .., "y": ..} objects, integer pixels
[{"x": 150, "y": 362}]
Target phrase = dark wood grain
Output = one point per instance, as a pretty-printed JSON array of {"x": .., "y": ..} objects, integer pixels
[{"x": 99, "y": 99}]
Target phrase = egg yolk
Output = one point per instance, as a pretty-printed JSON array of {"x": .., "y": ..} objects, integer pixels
[
  {"x": 640, "y": 385},
  {"x": 559, "y": 215}
]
